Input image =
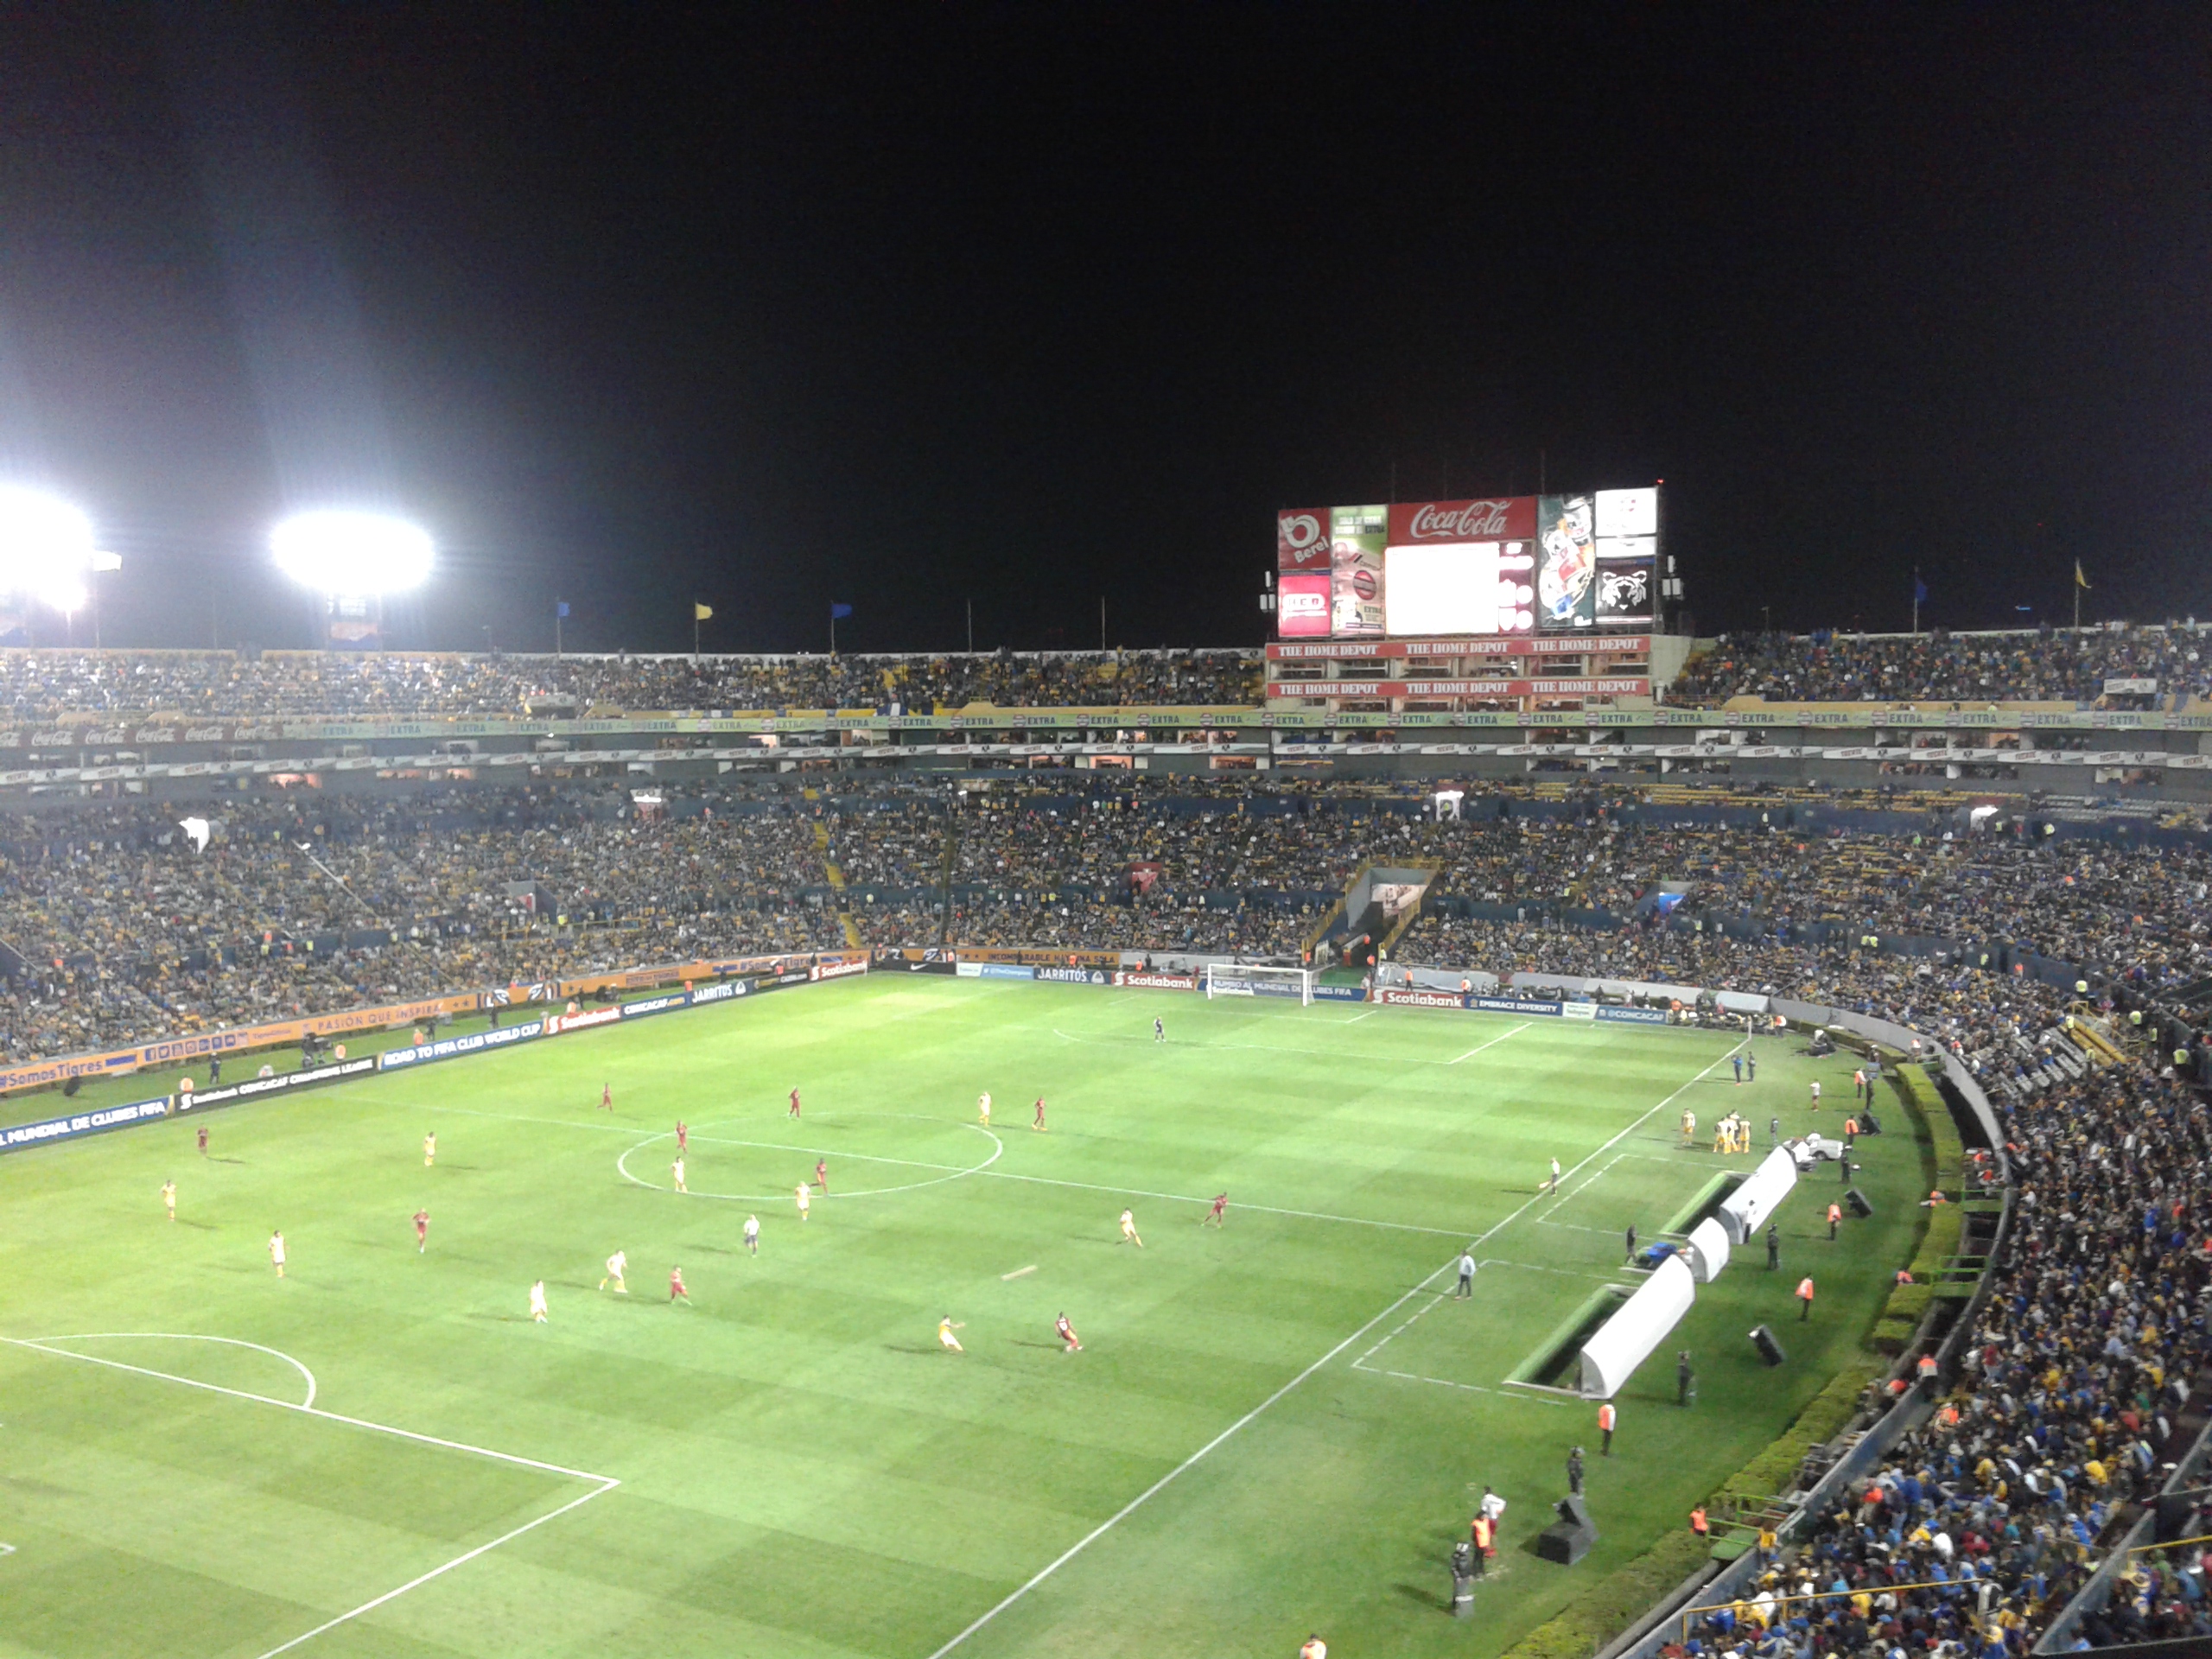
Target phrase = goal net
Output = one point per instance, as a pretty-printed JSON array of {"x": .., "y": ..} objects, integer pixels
[{"x": 1240, "y": 979}]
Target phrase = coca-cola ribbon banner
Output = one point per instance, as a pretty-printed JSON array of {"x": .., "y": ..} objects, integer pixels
[
  {"x": 1302, "y": 538},
  {"x": 1499, "y": 519}
]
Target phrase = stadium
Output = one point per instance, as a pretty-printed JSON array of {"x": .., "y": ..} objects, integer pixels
[
  {"x": 640, "y": 659},
  {"x": 1405, "y": 970}
]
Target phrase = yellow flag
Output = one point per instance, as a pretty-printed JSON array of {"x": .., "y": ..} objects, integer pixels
[
  {"x": 2080, "y": 581},
  {"x": 701, "y": 613}
]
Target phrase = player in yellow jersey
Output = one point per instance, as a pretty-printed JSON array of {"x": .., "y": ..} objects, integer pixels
[
  {"x": 1129, "y": 1229},
  {"x": 983, "y": 1109},
  {"x": 537, "y": 1303},
  {"x": 169, "y": 1198},
  {"x": 617, "y": 1265},
  {"x": 429, "y": 1150},
  {"x": 945, "y": 1327},
  {"x": 805, "y": 1198}
]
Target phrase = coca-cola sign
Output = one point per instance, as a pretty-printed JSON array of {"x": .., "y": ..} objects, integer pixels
[
  {"x": 1512, "y": 518},
  {"x": 1302, "y": 538}
]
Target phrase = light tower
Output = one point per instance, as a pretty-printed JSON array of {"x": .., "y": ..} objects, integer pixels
[
  {"x": 352, "y": 560},
  {"x": 47, "y": 554}
]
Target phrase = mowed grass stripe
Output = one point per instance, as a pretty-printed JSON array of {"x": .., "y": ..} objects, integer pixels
[{"x": 800, "y": 1421}]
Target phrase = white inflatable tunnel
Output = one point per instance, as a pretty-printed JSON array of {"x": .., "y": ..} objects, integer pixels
[
  {"x": 1742, "y": 1212},
  {"x": 1709, "y": 1250},
  {"x": 1626, "y": 1340}
]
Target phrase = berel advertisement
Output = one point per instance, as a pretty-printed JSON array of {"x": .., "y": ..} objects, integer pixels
[{"x": 1302, "y": 538}]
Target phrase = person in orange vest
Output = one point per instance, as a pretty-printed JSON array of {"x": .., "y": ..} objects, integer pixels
[
  {"x": 1805, "y": 1298},
  {"x": 1927, "y": 1369},
  {"x": 1835, "y": 1216},
  {"x": 1858, "y": 1084},
  {"x": 1606, "y": 1419},
  {"x": 1698, "y": 1525},
  {"x": 1484, "y": 1535}
]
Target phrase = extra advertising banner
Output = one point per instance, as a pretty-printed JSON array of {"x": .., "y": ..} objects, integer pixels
[
  {"x": 1567, "y": 562},
  {"x": 1356, "y": 535},
  {"x": 1302, "y": 539},
  {"x": 1302, "y": 606},
  {"x": 20, "y": 1135},
  {"x": 171, "y": 1050}
]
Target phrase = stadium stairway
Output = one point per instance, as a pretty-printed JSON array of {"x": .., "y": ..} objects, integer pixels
[
  {"x": 837, "y": 878},
  {"x": 1412, "y": 912},
  {"x": 2083, "y": 1026}
]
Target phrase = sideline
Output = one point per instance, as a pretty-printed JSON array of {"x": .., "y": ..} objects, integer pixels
[{"x": 1141, "y": 1498}]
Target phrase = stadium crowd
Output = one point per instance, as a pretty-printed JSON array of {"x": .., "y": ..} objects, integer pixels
[
  {"x": 1986, "y": 1518},
  {"x": 196, "y": 685},
  {"x": 2049, "y": 665},
  {"x": 116, "y": 930}
]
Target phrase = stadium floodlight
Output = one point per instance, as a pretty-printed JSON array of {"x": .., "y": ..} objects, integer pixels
[
  {"x": 45, "y": 548},
  {"x": 359, "y": 555}
]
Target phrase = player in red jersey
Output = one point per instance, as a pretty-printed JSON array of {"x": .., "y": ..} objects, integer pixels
[
  {"x": 794, "y": 1103},
  {"x": 1067, "y": 1334},
  {"x": 1214, "y": 1216},
  {"x": 676, "y": 1286},
  {"x": 203, "y": 1140},
  {"x": 606, "y": 1097},
  {"x": 1039, "y": 1122},
  {"x": 683, "y": 1137},
  {"x": 421, "y": 1231},
  {"x": 822, "y": 1175}
]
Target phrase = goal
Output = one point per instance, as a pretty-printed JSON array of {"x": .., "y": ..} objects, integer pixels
[{"x": 1240, "y": 979}]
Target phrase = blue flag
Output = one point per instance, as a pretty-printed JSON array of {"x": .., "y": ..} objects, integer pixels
[
  {"x": 1919, "y": 591},
  {"x": 560, "y": 607},
  {"x": 838, "y": 611}
]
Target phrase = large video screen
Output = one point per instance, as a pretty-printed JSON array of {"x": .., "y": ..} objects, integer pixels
[
  {"x": 1458, "y": 587},
  {"x": 1491, "y": 565}
]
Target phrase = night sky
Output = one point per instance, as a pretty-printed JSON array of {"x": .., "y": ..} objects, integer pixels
[{"x": 1027, "y": 306}]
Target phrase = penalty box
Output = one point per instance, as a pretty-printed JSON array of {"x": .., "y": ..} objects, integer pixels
[{"x": 157, "y": 1511}]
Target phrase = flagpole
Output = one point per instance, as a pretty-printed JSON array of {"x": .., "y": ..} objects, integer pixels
[
  {"x": 557, "y": 627},
  {"x": 2077, "y": 595},
  {"x": 694, "y": 630},
  {"x": 833, "y": 630},
  {"x": 1916, "y": 598}
]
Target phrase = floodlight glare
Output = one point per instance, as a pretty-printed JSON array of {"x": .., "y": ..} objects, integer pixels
[
  {"x": 45, "y": 548},
  {"x": 357, "y": 555}
]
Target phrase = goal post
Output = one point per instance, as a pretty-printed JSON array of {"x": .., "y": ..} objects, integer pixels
[{"x": 1257, "y": 979}]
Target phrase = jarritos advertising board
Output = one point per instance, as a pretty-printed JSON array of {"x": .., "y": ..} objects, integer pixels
[{"x": 1478, "y": 566}]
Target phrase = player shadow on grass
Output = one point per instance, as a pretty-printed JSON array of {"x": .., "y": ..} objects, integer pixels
[
  {"x": 1024, "y": 1342},
  {"x": 197, "y": 1226},
  {"x": 909, "y": 1348}
]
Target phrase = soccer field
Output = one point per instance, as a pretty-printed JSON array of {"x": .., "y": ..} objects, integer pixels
[{"x": 1273, "y": 1426}]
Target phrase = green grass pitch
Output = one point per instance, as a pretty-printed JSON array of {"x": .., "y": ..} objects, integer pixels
[{"x": 1277, "y": 1426}]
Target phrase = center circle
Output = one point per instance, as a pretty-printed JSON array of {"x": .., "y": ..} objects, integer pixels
[{"x": 929, "y": 1172}]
